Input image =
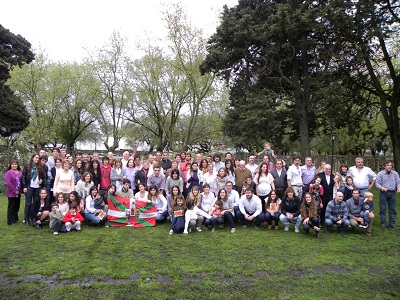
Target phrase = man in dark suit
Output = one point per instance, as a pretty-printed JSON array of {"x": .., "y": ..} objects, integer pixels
[
  {"x": 327, "y": 182},
  {"x": 280, "y": 180}
]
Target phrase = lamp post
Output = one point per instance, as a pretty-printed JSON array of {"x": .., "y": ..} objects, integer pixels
[{"x": 333, "y": 137}]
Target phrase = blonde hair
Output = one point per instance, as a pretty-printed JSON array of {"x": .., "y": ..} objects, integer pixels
[{"x": 368, "y": 195}]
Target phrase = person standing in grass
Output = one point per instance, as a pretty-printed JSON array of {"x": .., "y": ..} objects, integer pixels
[
  {"x": 32, "y": 180},
  {"x": 64, "y": 181},
  {"x": 337, "y": 213},
  {"x": 310, "y": 211},
  {"x": 388, "y": 182},
  {"x": 12, "y": 178}
]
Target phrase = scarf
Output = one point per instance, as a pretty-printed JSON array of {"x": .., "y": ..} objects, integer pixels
[{"x": 34, "y": 172}]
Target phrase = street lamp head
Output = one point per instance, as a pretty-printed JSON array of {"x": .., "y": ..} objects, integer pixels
[{"x": 333, "y": 136}]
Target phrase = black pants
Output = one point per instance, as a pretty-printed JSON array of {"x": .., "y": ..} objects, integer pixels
[
  {"x": 311, "y": 223},
  {"x": 228, "y": 217},
  {"x": 13, "y": 209}
]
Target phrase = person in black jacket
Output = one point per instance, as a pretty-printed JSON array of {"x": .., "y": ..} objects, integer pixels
[
  {"x": 141, "y": 175},
  {"x": 327, "y": 182},
  {"x": 290, "y": 210},
  {"x": 33, "y": 178},
  {"x": 40, "y": 209}
]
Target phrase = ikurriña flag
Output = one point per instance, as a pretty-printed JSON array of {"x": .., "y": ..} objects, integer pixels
[{"x": 128, "y": 212}]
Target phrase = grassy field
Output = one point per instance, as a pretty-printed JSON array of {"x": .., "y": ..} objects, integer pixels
[{"x": 128, "y": 263}]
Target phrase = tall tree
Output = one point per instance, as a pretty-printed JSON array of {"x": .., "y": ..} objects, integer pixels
[
  {"x": 368, "y": 32},
  {"x": 14, "y": 51},
  {"x": 276, "y": 54},
  {"x": 111, "y": 67}
]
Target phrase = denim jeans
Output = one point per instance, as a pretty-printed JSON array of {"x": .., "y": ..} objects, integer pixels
[
  {"x": 258, "y": 220},
  {"x": 388, "y": 198},
  {"x": 92, "y": 219},
  {"x": 286, "y": 222},
  {"x": 342, "y": 227},
  {"x": 161, "y": 217}
]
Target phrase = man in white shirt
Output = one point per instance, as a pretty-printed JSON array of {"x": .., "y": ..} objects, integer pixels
[
  {"x": 362, "y": 176},
  {"x": 294, "y": 177},
  {"x": 252, "y": 166},
  {"x": 250, "y": 208}
]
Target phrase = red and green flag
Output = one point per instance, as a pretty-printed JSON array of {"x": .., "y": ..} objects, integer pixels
[{"x": 128, "y": 212}]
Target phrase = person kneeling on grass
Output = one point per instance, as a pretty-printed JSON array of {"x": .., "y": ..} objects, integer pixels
[
  {"x": 290, "y": 209},
  {"x": 250, "y": 208},
  {"x": 73, "y": 219},
  {"x": 337, "y": 213},
  {"x": 194, "y": 216},
  {"x": 56, "y": 218},
  {"x": 310, "y": 211},
  {"x": 178, "y": 215}
]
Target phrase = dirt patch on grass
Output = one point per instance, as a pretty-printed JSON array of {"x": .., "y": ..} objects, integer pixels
[{"x": 55, "y": 280}]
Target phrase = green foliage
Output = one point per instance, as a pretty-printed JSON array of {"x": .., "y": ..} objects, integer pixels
[
  {"x": 14, "y": 51},
  {"x": 14, "y": 116}
]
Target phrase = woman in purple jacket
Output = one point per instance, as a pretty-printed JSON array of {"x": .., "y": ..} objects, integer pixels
[{"x": 12, "y": 177}]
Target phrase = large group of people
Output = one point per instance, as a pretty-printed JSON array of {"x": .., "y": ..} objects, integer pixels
[{"x": 200, "y": 192}]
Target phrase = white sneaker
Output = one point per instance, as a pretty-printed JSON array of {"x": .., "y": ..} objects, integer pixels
[
  {"x": 213, "y": 230},
  {"x": 296, "y": 230},
  {"x": 171, "y": 232},
  {"x": 286, "y": 228},
  {"x": 55, "y": 232},
  {"x": 221, "y": 226},
  {"x": 233, "y": 230},
  {"x": 198, "y": 229}
]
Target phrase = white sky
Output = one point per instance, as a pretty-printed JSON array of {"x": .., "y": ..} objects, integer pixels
[{"x": 64, "y": 28}]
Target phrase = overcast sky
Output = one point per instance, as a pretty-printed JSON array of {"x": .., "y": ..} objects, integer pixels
[{"x": 63, "y": 28}]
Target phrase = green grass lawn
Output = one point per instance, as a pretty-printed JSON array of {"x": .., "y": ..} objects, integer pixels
[{"x": 130, "y": 263}]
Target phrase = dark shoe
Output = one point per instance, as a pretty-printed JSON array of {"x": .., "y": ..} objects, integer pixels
[
  {"x": 317, "y": 234},
  {"x": 37, "y": 226},
  {"x": 368, "y": 233},
  {"x": 383, "y": 226}
]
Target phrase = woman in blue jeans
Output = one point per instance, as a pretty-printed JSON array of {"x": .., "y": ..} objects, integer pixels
[{"x": 90, "y": 212}]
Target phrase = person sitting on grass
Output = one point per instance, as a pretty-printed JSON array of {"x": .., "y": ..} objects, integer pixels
[
  {"x": 91, "y": 212},
  {"x": 159, "y": 201},
  {"x": 56, "y": 218},
  {"x": 354, "y": 205},
  {"x": 194, "y": 216},
  {"x": 367, "y": 212},
  {"x": 250, "y": 208},
  {"x": 215, "y": 212},
  {"x": 337, "y": 213},
  {"x": 73, "y": 219},
  {"x": 290, "y": 210},
  {"x": 178, "y": 215},
  {"x": 125, "y": 191},
  {"x": 40, "y": 209},
  {"x": 79, "y": 202},
  {"x": 310, "y": 214}
]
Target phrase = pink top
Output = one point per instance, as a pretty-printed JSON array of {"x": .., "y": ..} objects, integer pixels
[{"x": 64, "y": 182}]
